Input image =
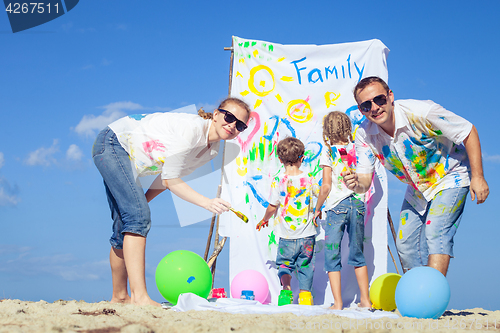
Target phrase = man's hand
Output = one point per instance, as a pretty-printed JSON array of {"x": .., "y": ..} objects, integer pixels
[
  {"x": 350, "y": 179},
  {"x": 479, "y": 189}
]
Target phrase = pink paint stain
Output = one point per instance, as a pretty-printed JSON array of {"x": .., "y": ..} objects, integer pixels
[
  {"x": 428, "y": 222},
  {"x": 150, "y": 146},
  {"x": 245, "y": 143}
]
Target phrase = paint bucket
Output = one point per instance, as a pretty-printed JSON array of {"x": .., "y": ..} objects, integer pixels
[
  {"x": 305, "y": 298},
  {"x": 285, "y": 297},
  {"x": 219, "y": 293},
  {"x": 247, "y": 294}
]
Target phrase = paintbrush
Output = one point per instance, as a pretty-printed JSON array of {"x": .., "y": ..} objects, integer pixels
[
  {"x": 344, "y": 158},
  {"x": 239, "y": 214}
]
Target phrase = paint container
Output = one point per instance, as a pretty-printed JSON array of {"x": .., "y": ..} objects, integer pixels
[
  {"x": 219, "y": 293},
  {"x": 305, "y": 298},
  {"x": 285, "y": 297},
  {"x": 247, "y": 294}
]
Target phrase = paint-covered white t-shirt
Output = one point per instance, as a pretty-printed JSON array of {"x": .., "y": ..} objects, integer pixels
[
  {"x": 332, "y": 158},
  {"x": 171, "y": 143},
  {"x": 294, "y": 197},
  {"x": 426, "y": 151}
]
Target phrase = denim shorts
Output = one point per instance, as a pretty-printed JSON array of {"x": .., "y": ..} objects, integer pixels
[
  {"x": 297, "y": 254},
  {"x": 129, "y": 207},
  {"x": 348, "y": 215},
  {"x": 432, "y": 233}
]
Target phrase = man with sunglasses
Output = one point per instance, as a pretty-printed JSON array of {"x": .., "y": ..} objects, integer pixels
[{"x": 436, "y": 152}]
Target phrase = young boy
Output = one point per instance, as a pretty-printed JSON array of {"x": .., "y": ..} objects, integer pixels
[
  {"x": 292, "y": 192},
  {"x": 345, "y": 210}
]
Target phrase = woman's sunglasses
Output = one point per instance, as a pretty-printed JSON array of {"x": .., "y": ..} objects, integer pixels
[
  {"x": 367, "y": 105},
  {"x": 231, "y": 118}
]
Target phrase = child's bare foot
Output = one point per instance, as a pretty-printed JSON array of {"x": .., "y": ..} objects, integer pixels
[
  {"x": 366, "y": 304},
  {"x": 336, "y": 306}
]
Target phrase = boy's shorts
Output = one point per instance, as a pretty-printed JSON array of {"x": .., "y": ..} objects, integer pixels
[{"x": 297, "y": 254}]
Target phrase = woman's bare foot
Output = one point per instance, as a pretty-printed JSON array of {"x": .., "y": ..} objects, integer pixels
[
  {"x": 146, "y": 301},
  {"x": 336, "y": 306},
  {"x": 121, "y": 300}
]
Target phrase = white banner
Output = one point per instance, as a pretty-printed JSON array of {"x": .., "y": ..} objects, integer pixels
[{"x": 290, "y": 89}]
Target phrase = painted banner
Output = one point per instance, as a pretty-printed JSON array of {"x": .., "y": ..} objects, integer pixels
[{"x": 290, "y": 89}]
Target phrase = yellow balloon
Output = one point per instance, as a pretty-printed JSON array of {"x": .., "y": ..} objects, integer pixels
[{"x": 383, "y": 290}]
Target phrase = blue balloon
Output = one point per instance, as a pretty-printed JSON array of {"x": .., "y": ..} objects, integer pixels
[{"x": 422, "y": 292}]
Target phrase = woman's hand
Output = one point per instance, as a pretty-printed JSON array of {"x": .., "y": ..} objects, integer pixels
[{"x": 217, "y": 205}]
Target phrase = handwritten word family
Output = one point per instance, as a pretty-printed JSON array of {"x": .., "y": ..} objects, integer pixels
[{"x": 314, "y": 75}]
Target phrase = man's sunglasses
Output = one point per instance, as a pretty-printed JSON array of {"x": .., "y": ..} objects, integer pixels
[
  {"x": 231, "y": 118},
  {"x": 367, "y": 105}
]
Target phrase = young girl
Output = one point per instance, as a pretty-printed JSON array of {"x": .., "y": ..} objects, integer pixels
[
  {"x": 344, "y": 208},
  {"x": 171, "y": 145}
]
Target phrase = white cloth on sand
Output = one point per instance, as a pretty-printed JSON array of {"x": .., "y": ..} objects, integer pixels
[{"x": 189, "y": 301}]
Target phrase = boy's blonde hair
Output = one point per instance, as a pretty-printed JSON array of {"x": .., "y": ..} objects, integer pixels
[
  {"x": 337, "y": 127},
  {"x": 290, "y": 150}
]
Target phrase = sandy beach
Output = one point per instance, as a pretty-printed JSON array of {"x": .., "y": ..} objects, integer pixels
[{"x": 79, "y": 316}]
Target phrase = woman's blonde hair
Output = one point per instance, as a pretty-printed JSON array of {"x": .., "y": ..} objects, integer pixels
[
  {"x": 337, "y": 128},
  {"x": 237, "y": 101}
]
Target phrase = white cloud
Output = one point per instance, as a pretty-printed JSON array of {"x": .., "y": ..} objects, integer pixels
[
  {"x": 491, "y": 158},
  {"x": 43, "y": 156},
  {"x": 20, "y": 261},
  {"x": 74, "y": 153},
  {"x": 8, "y": 193},
  {"x": 91, "y": 124}
]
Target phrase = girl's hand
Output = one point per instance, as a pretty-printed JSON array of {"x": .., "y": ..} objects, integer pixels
[
  {"x": 217, "y": 206},
  {"x": 262, "y": 224},
  {"x": 317, "y": 214}
]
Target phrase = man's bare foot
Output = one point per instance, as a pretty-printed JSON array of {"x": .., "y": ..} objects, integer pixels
[
  {"x": 121, "y": 300},
  {"x": 336, "y": 306}
]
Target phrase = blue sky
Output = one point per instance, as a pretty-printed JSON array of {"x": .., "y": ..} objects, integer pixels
[{"x": 63, "y": 80}]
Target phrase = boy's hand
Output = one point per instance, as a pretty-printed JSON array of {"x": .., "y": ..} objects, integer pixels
[{"x": 262, "y": 224}]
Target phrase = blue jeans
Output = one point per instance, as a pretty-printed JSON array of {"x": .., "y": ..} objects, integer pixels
[
  {"x": 348, "y": 215},
  {"x": 432, "y": 233},
  {"x": 297, "y": 254},
  {"x": 129, "y": 207}
]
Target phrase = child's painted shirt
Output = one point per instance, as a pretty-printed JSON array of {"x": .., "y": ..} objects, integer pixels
[
  {"x": 294, "y": 197},
  {"x": 426, "y": 151},
  {"x": 171, "y": 143},
  {"x": 332, "y": 158}
]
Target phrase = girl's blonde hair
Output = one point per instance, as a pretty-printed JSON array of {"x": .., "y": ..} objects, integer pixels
[
  {"x": 337, "y": 128},
  {"x": 237, "y": 101}
]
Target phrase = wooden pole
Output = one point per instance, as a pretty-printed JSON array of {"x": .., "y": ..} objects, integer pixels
[
  {"x": 212, "y": 261},
  {"x": 211, "y": 230},
  {"x": 393, "y": 231}
]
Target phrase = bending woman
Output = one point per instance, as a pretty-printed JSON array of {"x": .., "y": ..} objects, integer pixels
[{"x": 171, "y": 145}]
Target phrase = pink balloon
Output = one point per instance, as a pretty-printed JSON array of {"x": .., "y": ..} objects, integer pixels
[{"x": 250, "y": 280}]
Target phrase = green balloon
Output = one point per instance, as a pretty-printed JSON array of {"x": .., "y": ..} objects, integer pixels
[{"x": 183, "y": 272}]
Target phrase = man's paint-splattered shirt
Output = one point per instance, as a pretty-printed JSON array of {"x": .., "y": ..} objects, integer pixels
[
  {"x": 294, "y": 197},
  {"x": 426, "y": 151}
]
